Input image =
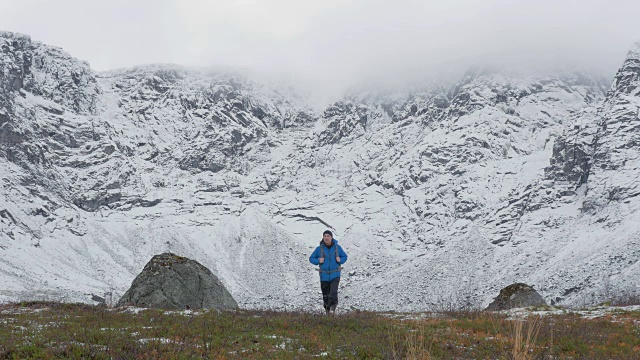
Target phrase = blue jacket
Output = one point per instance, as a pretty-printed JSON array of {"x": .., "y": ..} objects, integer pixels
[{"x": 330, "y": 264}]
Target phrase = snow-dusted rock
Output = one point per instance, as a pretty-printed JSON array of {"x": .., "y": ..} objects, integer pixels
[
  {"x": 516, "y": 295},
  {"x": 169, "y": 281}
]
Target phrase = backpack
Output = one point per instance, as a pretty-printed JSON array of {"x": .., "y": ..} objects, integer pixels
[{"x": 322, "y": 256}]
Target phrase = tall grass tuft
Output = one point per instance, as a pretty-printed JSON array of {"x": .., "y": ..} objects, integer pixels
[{"x": 524, "y": 339}]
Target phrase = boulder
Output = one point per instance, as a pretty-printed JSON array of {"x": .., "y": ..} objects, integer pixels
[
  {"x": 169, "y": 281},
  {"x": 515, "y": 296}
]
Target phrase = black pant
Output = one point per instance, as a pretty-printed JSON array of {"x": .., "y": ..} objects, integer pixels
[{"x": 330, "y": 293}]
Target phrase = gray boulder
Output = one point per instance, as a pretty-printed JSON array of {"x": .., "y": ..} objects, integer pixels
[
  {"x": 515, "y": 296},
  {"x": 169, "y": 281}
]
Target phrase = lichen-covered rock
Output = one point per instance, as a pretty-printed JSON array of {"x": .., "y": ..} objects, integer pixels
[
  {"x": 169, "y": 281},
  {"x": 515, "y": 296}
]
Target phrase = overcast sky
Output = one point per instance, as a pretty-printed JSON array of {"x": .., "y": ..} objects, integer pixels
[{"x": 333, "y": 41}]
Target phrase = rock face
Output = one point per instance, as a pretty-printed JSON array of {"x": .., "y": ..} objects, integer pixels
[
  {"x": 613, "y": 176},
  {"x": 471, "y": 182},
  {"x": 169, "y": 281},
  {"x": 515, "y": 296}
]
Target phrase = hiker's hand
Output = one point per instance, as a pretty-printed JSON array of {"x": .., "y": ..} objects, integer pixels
[
  {"x": 338, "y": 259},
  {"x": 321, "y": 260}
]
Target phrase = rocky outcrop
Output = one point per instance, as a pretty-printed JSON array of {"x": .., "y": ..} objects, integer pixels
[
  {"x": 15, "y": 66},
  {"x": 38, "y": 85},
  {"x": 516, "y": 296},
  {"x": 614, "y": 171},
  {"x": 169, "y": 281},
  {"x": 45, "y": 71},
  {"x": 347, "y": 119},
  {"x": 595, "y": 152},
  {"x": 571, "y": 158},
  {"x": 215, "y": 120}
]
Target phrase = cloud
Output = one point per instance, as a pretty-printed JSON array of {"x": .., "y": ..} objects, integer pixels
[{"x": 334, "y": 42}]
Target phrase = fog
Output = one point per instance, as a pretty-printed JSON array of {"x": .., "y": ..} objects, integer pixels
[{"x": 334, "y": 43}]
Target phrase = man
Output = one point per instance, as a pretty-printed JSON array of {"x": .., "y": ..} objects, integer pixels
[{"x": 329, "y": 255}]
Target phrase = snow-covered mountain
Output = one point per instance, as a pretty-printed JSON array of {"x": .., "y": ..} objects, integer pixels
[{"x": 441, "y": 194}]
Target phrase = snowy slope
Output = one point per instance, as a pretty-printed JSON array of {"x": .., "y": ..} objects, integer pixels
[{"x": 441, "y": 194}]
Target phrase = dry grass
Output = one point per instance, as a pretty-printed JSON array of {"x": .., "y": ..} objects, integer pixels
[
  {"x": 50, "y": 330},
  {"x": 410, "y": 344},
  {"x": 524, "y": 337}
]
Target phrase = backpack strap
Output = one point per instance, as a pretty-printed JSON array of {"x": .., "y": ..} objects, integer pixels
[{"x": 322, "y": 256}]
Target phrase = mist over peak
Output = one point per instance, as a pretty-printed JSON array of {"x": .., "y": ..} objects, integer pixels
[{"x": 330, "y": 46}]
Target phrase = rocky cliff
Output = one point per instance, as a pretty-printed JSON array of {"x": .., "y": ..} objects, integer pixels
[{"x": 442, "y": 193}]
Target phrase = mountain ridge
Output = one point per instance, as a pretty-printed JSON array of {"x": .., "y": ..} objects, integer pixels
[{"x": 441, "y": 195}]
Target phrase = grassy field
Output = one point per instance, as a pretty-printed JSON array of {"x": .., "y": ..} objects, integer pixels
[{"x": 75, "y": 331}]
